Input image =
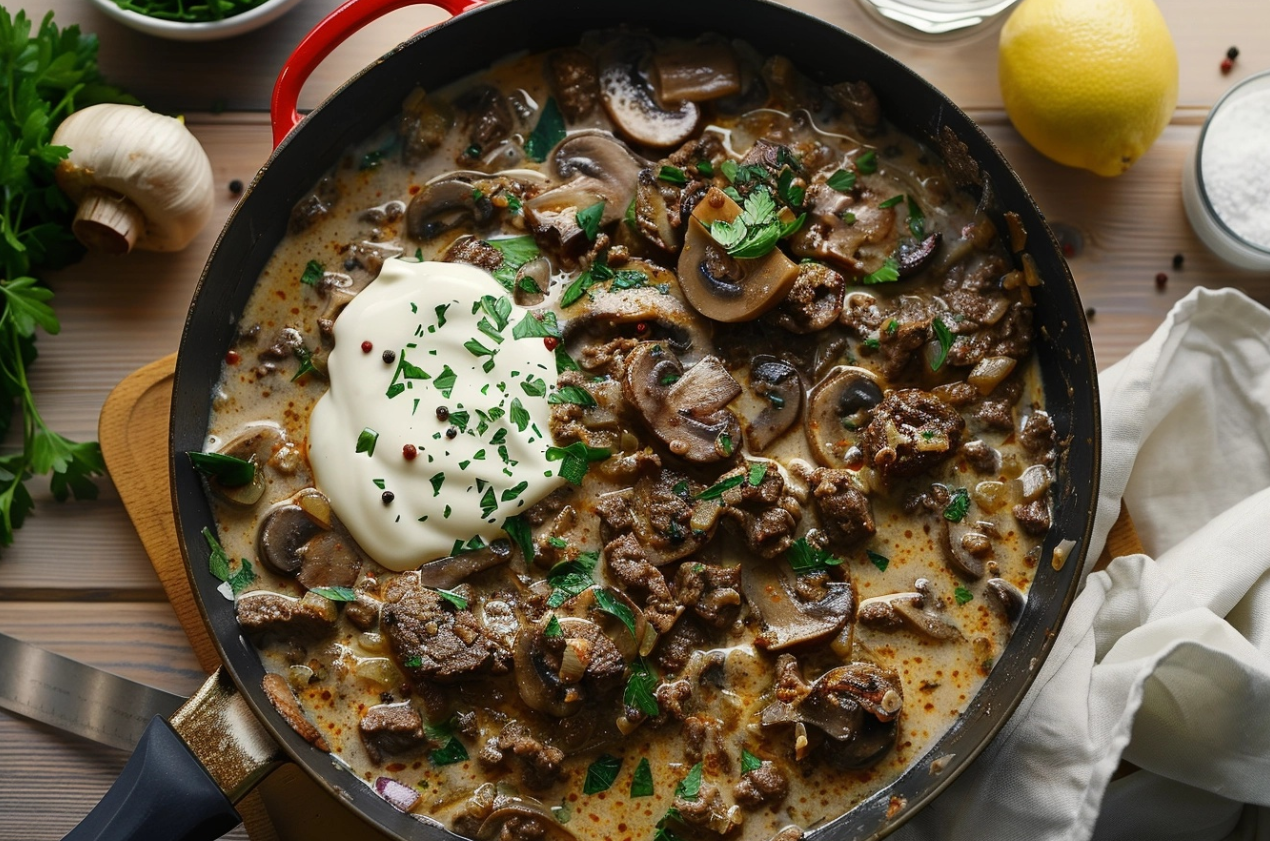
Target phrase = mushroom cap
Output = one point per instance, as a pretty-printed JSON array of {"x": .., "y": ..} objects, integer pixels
[{"x": 169, "y": 177}]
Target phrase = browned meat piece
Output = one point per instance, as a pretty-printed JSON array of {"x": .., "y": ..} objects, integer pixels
[
  {"x": 713, "y": 592},
  {"x": 705, "y": 148},
  {"x": 1034, "y": 516},
  {"x": 765, "y": 784},
  {"x": 263, "y": 615},
  {"x": 284, "y": 701},
  {"x": 614, "y": 511},
  {"x": 663, "y": 517},
  {"x": 706, "y": 810},
  {"x": 475, "y": 252},
  {"x": 789, "y": 685},
  {"x": 676, "y": 647},
  {"x": 575, "y": 81},
  {"x": 389, "y": 729},
  {"x": 978, "y": 273},
  {"x": 767, "y": 514},
  {"x": 314, "y": 207},
  {"x": 845, "y": 512},
  {"x": 488, "y": 115},
  {"x": 672, "y": 697},
  {"x": 911, "y": 431},
  {"x": 434, "y": 641},
  {"x": 1038, "y": 436},
  {"x": 958, "y": 395},
  {"x": 814, "y": 301},
  {"x": 859, "y": 100},
  {"x": 607, "y": 358},
  {"x": 901, "y": 328},
  {"x": 900, "y": 346},
  {"x": 704, "y": 743},
  {"x": 629, "y": 564},
  {"x": 1010, "y": 336},
  {"x": 982, "y": 457},
  {"x": 934, "y": 499},
  {"x": 549, "y": 506},
  {"x": 424, "y": 125},
  {"x": 541, "y": 764},
  {"x": 997, "y": 409},
  {"x": 363, "y": 612}
]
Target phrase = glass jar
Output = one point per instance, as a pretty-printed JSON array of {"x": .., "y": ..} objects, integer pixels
[
  {"x": 937, "y": 19},
  {"x": 1226, "y": 181}
]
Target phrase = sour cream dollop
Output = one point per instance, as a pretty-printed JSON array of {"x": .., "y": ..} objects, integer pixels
[{"x": 442, "y": 361}]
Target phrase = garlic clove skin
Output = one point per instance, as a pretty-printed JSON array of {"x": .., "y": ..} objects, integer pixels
[{"x": 140, "y": 179}]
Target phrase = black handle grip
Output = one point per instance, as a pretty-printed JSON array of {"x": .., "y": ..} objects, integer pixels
[{"x": 163, "y": 794}]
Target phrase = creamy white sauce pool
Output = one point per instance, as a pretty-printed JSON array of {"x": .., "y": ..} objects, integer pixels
[{"x": 424, "y": 352}]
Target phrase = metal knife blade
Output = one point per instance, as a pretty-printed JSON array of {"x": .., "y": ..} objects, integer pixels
[{"x": 77, "y": 698}]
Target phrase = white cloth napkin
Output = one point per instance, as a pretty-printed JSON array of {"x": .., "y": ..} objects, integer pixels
[{"x": 1164, "y": 659}]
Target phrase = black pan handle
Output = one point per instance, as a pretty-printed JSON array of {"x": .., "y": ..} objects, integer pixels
[{"x": 163, "y": 794}]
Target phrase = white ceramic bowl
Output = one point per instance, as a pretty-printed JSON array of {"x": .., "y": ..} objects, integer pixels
[{"x": 177, "y": 31}]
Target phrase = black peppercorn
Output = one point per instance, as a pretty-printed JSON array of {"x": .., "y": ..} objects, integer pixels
[
  {"x": 452, "y": 432},
  {"x": 443, "y": 413},
  {"x": 1232, "y": 53},
  {"x": 390, "y": 356},
  {"x": 1178, "y": 259},
  {"x": 388, "y": 496},
  {"x": 1090, "y": 312},
  {"x": 236, "y": 187}
]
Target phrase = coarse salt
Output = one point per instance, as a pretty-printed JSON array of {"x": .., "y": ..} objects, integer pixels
[{"x": 1235, "y": 164}]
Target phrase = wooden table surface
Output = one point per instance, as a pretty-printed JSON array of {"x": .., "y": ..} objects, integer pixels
[{"x": 77, "y": 581}]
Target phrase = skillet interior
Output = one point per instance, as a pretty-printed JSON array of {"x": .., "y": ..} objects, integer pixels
[{"x": 470, "y": 43}]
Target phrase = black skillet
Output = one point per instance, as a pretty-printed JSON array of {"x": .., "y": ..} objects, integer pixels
[{"x": 172, "y": 795}]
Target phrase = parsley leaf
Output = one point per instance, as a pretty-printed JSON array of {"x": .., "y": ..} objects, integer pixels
[
  {"x": 640, "y": 689},
  {"x": 366, "y": 442},
  {"x": 569, "y": 578},
  {"x": 548, "y": 132},
  {"x": 673, "y": 175},
  {"x": 957, "y": 508},
  {"x": 572, "y": 394},
  {"x": 689, "y": 787},
  {"x": 879, "y": 561},
  {"x": 718, "y": 490},
  {"x": 867, "y": 164},
  {"x": 916, "y": 219},
  {"x": 518, "y": 530},
  {"x": 642, "y": 779},
  {"x": 749, "y": 762},
  {"x": 891, "y": 202},
  {"x": 601, "y": 774},
  {"x": 962, "y": 595},
  {"x": 606, "y": 602},
  {"x": 575, "y": 459},
  {"x": 335, "y": 594},
  {"x": 537, "y": 325},
  {"x": 843, "y": 181},
  {"x": 516, "y": 251},
  {"x": 589, "y": 219},
  {"x": 449, "y": 753},
  {"x": 803, "y": 557},
  {"x": 758, "y": 471},
  {"x": 945, "y": 337},
  {"x": 452, "y": 597},
  {"x": 888, "y": 272},
  {"x": 229, "y": 471},
  {"x": 757, "y": 230}
]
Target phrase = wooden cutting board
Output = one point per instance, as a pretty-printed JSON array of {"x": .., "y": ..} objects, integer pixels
[
  {"x": 133, "y": 429},
  {"x": 288, "y": 805}
]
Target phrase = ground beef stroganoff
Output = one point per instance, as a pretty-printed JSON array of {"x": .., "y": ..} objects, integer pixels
[{"x": 638, "y": 440}]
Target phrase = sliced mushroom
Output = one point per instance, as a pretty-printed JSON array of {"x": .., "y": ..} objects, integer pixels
[
  {"x": 595, "y": 167},
  {"x": 556, "y": 674},
  {"x": 640, "y": 313},
  {"x": 966, "y": 546},
  {"x": 632, "y": 105},
  {"x": 814, "y": 301},
  {"x": 915, "y": 256},
  {"x": 524, "y": 812},
  {"x": 920, "y": 610},
  {"x": 653, "y": 214},
  {"x": 328, "y": 560},
  {"x": 839, "y": 404},
  {"x": 446, "y": 573},
  {"x": 685, "y": 409},
  {"x": 283, "y": 532},
  {"x": 285, "y": 703},
  {"x": 779, "y": 384},
  {"x": 722, "y": 287},
  {"x": 696, "y": 72},
  {"x": 446, "y": 204},
  {"x": 853, "y": 247},
  {"x": 793, "y": 615},
  {"x": 1008, "y": 598},
  {"x": 256, "y": 445}
]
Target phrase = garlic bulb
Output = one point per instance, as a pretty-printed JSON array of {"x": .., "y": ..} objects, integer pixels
[{"x": 140, "y": 179}]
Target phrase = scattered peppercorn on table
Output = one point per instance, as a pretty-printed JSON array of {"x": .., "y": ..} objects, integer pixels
[{"x": 78, "y": 580}]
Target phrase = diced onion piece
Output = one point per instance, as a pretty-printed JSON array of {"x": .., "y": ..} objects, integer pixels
[
  {"x": 705, "y": 514},
  {"x": 1031, "y": 274},
  {"x": 373, "y": 642},
  {"x": 1061, "y": 551},
  {"x": 1018, "y": 234},
  {"x": 991, "y": 495},
  {"x": 1035, "y": 481},
  {"x": 378, "y": 670},
  {"x": 398, "y": 794},
  {"x": 576, "y": 657},
  {"x": 931, "y": 442},
  {"x": 989, "y": 372}
]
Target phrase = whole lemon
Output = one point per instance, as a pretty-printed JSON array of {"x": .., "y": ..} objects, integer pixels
[{"x": 1089, "y": 83}]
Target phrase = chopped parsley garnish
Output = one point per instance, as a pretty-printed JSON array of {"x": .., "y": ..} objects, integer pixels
[
  {"x": 892, "y": 327},
  {"x": 705, "y": 168},
  {"x": 601, "y": 774},
  {"x": 549, "y": 131},
  {"x": 569, "y": 578},
  {"x": 230, "y": 471},
  {"x": 366, "y": 441},
  {"x": 672, "y": 175},
  {"x": 564, "y": 362},
  {"x": 589, "y": 219},
  {"x": 306, "y": 362},
  {"x": 437, "y": 481},
  {"x": 558, "y": 542},
  {"x": 640, "y": 689},
  {"x": 313, "y": 271},
  {"x": 575, "y": 459},
  {"x": 630, "y": 279},
  {"x": 440, "y": 311},
  {"x": 489, "y": 502},
  {"x": 516, "y": 251},
  {"x": 888, "y": 272},
  {"x": 848, "y": 217},
  {"x": 738, "y": 174},
  {"x": 689, "y": 787},
  {"x": 518, "y": 530},
  {"x": 513, "y": 203},
  {"x": 956, "y": 509},
  {"x": 553, "y": 628},
  {"x": 916, "y": 219},
  {"x": 758, "y": 471},
  {"x": 452, "y": 597},
  {"x": 789, "y": 192},
  {"x": 879, "y": 561},
  {"x": 477, "y": 349},
  {"x": 891, "y": 202},
  {"x": 843, "y": 181},
  {"x": 534, "y": 386},
  {"x": 336, "y": 594},
  {"x": 872, "y": 343},
  {"x": 414, "y": 662},
  {"x": 725, "y": 443},
  {"x": 514, "y": 491},
  {"x": 449, "y": 753},
  {"x": 598, "y": 272},
  {"x": 445, "y": 381},
  {"x": 461, "y": 548},
  {"x": 612, "y": 606},
  {"x": 680, "y": 488},
  {"x": 379, "y": 483},
  {"x": 803, "y": 557},
  {"x": 519, "y": 415},
  {"x": 962, "y": 595},
  {"x": 460, "y": 419},
  {"x": 642, "y": 779},
  {"x": 572, "y": 394},
  {"x": 945, "y": 337},
  {"x": 718, "y": 490},
  {"x": 218, "y": 559},
  {"x": 749, "y": 762},
  {"x": 241, "y": 579},
  {"x": 756, "y": 231},
  {"x": 537, "y": 325},
  {"x": 867, "y": 163}
]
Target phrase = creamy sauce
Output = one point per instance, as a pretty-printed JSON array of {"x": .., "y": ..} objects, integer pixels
[{"x": 428, "y": 348}]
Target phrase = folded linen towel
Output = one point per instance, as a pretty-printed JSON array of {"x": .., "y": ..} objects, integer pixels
[{"x": 1164, "y": 659}]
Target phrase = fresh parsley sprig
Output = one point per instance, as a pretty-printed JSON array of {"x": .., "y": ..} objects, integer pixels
[{"x": 757, "y": 230}]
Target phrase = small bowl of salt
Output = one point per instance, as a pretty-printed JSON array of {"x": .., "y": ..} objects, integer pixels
[{"x": 1226, "y": 183}]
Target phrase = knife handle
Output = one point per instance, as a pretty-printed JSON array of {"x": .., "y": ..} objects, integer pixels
[
  {"x": 325, "y": 37},
  {"x": 163, "y": 794}
]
